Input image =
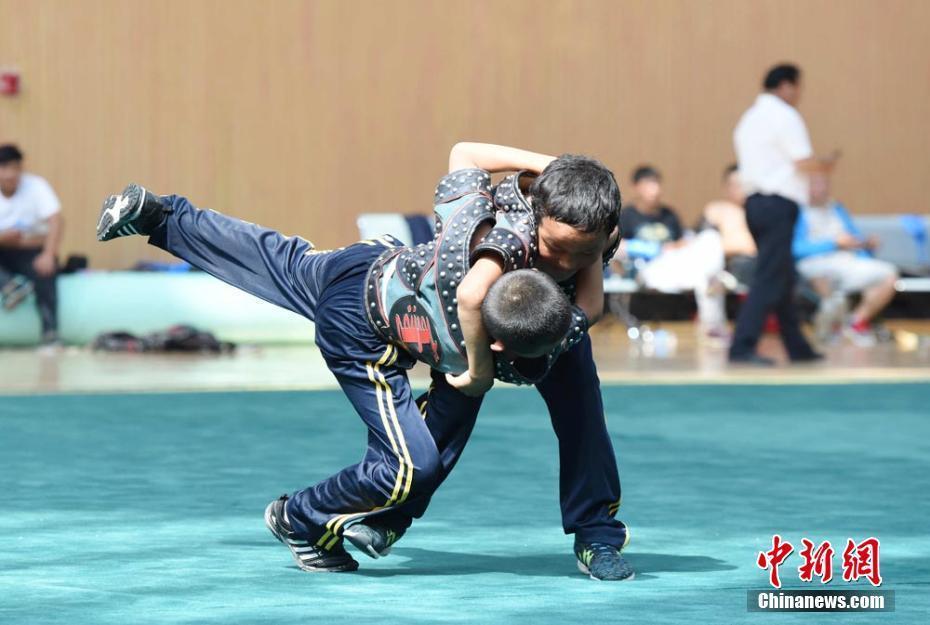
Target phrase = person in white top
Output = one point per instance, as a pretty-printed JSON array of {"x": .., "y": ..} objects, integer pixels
[
  {"x": 775, "y": 157},
  {"x": 30, "y": 235}
]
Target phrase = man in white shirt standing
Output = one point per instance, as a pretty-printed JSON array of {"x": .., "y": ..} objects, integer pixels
[
  {"x": 30, "y": 234},
  {"x": 775, "y": 159}
]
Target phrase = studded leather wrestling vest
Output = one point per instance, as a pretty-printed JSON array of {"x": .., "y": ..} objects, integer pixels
[{"x": 411, "y": 291}]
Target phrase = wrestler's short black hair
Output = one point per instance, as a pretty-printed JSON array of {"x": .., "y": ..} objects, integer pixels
[
  {"x": 526, "y": 311},
  {"x": 646, "y": 172},
  {"x": 9, "y": 153},
  {"x": 578, "y": 191},
  {"x": 732, "y": 168},
  {"x": 784, "y": 72}
]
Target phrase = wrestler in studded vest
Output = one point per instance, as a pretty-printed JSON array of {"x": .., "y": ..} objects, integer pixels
[{"x": 411, "y": 291}]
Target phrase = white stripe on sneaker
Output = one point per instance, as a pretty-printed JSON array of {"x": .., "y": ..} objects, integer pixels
[
  {"x": 138, "y": 210},
  {"x": 297, "y": 541}
]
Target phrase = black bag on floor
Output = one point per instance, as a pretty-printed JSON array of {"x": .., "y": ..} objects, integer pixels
[
  {"x": 183, "y": 338},
  {"x": 180, "y": 338},
  {"x": 117, "y": 342}
]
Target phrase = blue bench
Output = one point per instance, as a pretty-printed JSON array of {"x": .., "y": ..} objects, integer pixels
[
  {"x": 93, "y": 302},
  {"x": 899, "y": 246},
  {"x": 904, "y": 241}
]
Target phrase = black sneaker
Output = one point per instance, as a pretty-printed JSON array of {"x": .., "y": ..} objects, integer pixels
[
  {"x": 15, "y": 291},
  {"x": 372, "y": 540},
  {"x": 603, "y": 562},
  {"x": 751, "y": 359},
  {"x": 308, "y": 556},
  {"x": 810, "y": 356},
  {"x": 134, "y": 211}
]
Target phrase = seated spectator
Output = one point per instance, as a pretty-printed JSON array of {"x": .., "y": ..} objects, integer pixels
[
  {"x": 728, "y": 217},
  {"x": 666, "y": 260},
  {"x": 836, "y": 258},
  {"x": 30, "y": 233}
]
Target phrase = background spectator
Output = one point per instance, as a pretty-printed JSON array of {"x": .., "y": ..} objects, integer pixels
[
  {"x": 666, "y": 260},
  {"x": 728, "y": 217},
  {"x": 834, "y": 255},
  {"x": 30, "y": 234},
  {"x": 649, "y": 225},
  {"x": 774, "y": 154}
]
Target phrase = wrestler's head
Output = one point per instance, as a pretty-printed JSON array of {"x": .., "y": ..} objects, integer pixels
[
  {"x": 577, "y": 205},
  {"x": 526, "y": 314}
]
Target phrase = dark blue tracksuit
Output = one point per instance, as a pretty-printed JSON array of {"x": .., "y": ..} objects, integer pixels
[
  {"x": 412, "y": 443},
  {"x": 589, "y": 483}
]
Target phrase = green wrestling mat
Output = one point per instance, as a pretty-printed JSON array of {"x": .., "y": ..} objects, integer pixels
[{"x": 148, "y": 508}]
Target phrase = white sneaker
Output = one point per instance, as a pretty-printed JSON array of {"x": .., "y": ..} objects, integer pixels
[{"x": 863, "y": 338}]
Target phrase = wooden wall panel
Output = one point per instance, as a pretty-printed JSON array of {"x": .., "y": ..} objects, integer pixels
[{"x": 301, "y": 114}]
